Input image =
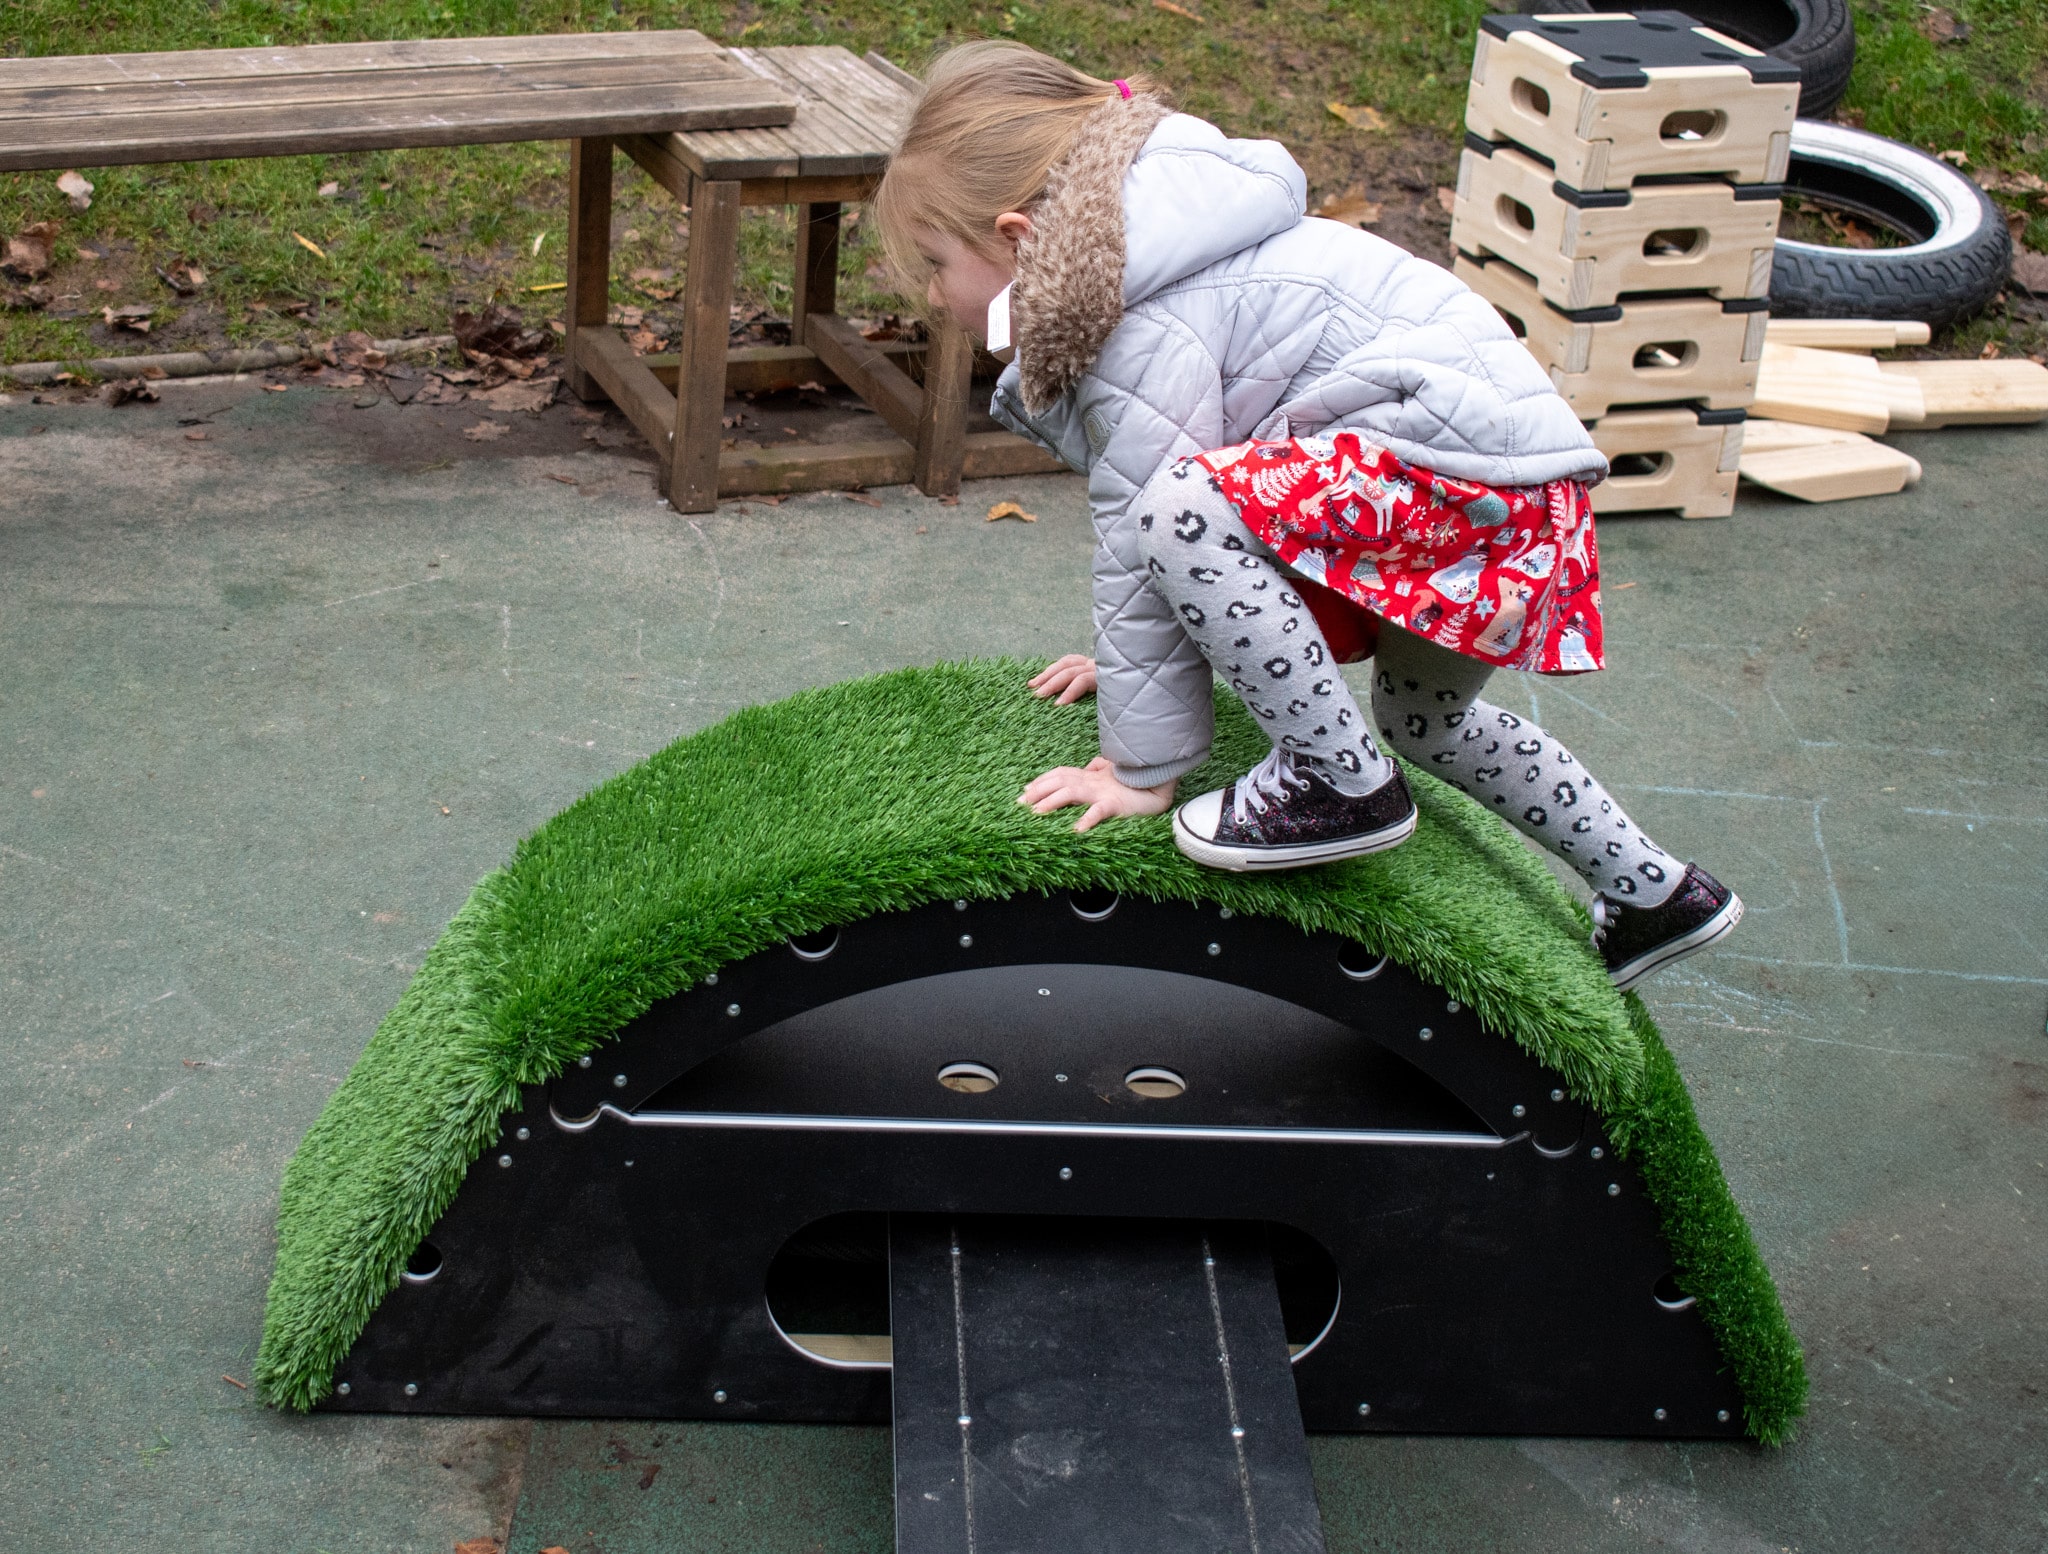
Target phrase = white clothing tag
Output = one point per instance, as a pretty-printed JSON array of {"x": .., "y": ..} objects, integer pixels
[{"x": 998, "y": 331}]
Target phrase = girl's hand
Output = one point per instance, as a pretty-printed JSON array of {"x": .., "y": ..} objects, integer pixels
[
  {"x": 1070, "y": 678},
  {"x": 1094, "y": 785}
]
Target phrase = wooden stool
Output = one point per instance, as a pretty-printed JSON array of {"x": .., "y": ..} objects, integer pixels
[{"x": 849, "y": 114}]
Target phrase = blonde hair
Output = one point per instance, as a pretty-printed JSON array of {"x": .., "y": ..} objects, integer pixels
[{"x": 993, "y": 120}]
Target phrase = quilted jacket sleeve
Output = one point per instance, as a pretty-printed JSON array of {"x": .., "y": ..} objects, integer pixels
[{"x": 1155, "y": 397}]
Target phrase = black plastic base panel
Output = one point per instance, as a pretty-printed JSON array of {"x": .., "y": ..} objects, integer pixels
[{"x": 1092, "y": 1384}]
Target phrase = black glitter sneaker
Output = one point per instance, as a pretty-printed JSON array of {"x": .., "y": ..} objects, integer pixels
[
  {"x": 1636, "y": 940},
  {"x": 1282, "y": 814}
]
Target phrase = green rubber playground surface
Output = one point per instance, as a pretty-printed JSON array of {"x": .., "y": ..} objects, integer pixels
[{"x": 278, "y": 700}]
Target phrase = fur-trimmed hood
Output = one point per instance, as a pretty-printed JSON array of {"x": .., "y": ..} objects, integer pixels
[{"x": 1114, "y": 227}]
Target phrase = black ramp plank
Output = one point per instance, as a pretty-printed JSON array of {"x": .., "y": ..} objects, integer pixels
[{"x": 1077, "y": 1385}]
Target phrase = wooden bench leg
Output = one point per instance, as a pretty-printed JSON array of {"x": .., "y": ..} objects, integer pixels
[
  {"x": 707, "y": 319},
  {"x": 589, "y": 298},
  {"x": 817, "y": 265},
  {"x": 942, "y": 412}
]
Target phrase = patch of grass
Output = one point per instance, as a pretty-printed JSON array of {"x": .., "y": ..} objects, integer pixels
[
  {"x": 735, "y": 838},
  {"x": 412, "y": 235}
]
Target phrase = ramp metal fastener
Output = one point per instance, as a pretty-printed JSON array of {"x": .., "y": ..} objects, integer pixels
[
  {"x": 1215, "y": 949},
  {"x": 967, "y": 941},
  {"x": 619, "y": 1081},
  {"x": 1453, "y": 1007},
  {"x": 1557, "y": 1095},
  {"x": 1658, "y": 1415},
  {"x": 1614, "y": 1189},
  {"x": 711, "y": 979},
  {"x": 1364, "y": 1409},
  {"x": 1225, "y": 914},
  {"x": 1521, "y": 1110},
  {"x": 523, "y": 1134},
  {"x": 732, "y": 1009},
  {"x": 1066, "y": 1173},
  {"x": 1059, "y": 1079},
  {"x": 504, "y": 1160},
  {"x": 629, "y": 1165},
  {"x": 343, "y": 1390},
  {"x": 1426, "y": 1033},
  {"x": 718, "y": 1396},
  {"x": 412, "y": 1389},
  {"x": 964, "y": 1420},
  {"x": 959, "y": 906},
  {"x": 1719, "y": 1413},
  {"x": 1599, "y": 1153},
  {"x": 584, "y": 1061},
  {"x": 1045, "y": 992},
  {"x": 1237, "y": 1432}
]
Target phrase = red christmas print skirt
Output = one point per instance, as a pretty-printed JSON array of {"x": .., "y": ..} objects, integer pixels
[{"x": 1507, "y": 575}]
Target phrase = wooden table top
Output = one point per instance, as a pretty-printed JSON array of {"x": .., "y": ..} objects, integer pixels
[
  {"x": 849, "y": 114},
  {"x": 101, "y": 110}
]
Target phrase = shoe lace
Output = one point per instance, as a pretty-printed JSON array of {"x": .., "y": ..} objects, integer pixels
[
  {"x": 1272, "y": 779},
  {"x": 1605, "y": 915}
]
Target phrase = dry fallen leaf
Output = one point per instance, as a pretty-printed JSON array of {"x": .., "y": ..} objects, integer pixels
[
  {"x": 533, "y": 395},
  {"x": 486, "y": 431},
  {"x": 135, "y": 316},
  {"x": 444, "y": 809},
  {"x": 28, "y": 252},
  {"x": 1351, "y": 207},
  {"x": 476, "y": 1545},
  {"x": 131, "y": 390},
  {"x": 75, "y": 189},
  {"x": 2030, "y": 271},
  {"x": 1361, "y": 117},
  {"x": 2014, "y": 183},
  {"x": 274, "y": 388},
  {"x": 329, "y": 190},
  {"x": 309, "y": 245},
  {"x": 184, "y": 278},
  {"x": 198, "y": 434},
  {"x": 1446, "y": 198},
  {"x": 1177, "y": 10},
  {"x": 234, "y": 1383},
  {"x": 862, "y": 497},
  {"x": 1009, "y": 510},
  {"x": 1991, "y": 352},
  {"x": 567, "y": 480}
]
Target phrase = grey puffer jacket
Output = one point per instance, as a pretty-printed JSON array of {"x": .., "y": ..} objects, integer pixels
[{"x": 1237, "y": 316}]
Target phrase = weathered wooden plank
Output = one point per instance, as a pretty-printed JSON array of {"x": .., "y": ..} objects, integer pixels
[
  {"x": 1848, "y": 465},
  {"x": 875, "y": 105},
  {"x": 1822, "y": 388},
  {"x": 571, "y": 115},
  {"x": 415, "y": 89},
  {"x": 817, "y": 264},
  {"x": 762, "y": 369},
  {"x": 625, "y": 378},
  {"x": 707, "y": 315},
  {"x": 323, "y": 58},
  {"x": 997, "y": 455},
  {"x": 942, "y": 413},
  {"x": 846, "y": 188},
  {"x": 828, "y": 132},
  {"x": 867, "y": 371},
  {"x": 1847, "y": 334},
  {"x": 590, "y": 254},
  {"x": 1980, "y": 393},
  {"x": 814, "y": 467},
  {"x": 892, "y": 71}
]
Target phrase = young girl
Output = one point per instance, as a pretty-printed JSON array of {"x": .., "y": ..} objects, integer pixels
[{"x": 1279, "y": 418}]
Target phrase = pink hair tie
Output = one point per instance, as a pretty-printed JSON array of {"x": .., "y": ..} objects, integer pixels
[{"x": 1125, "y": 88}]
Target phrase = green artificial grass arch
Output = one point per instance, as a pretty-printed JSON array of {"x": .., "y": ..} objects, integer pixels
[{"x": 881, "y": 794}]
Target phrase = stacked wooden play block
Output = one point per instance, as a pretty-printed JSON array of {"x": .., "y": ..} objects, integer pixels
[{"x": 1618, "y": 201}]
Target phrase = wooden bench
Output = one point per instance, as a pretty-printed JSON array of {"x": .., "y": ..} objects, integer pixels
[{"x": 833, "y": 152}]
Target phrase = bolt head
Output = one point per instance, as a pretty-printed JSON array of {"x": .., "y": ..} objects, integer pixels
[
  {"x": 504, "y": 1160},
  {"x": 711, "y": 980},
  {"x": 1453, "y": 1007},
  {"x": 1599, "y": 1153},
  {"x": 1722, "y": 1415},
  {"x": 1059, "y": 1078},
  {"x": 1066, "y": 1173},
  {"x": 1521, "y": 1111},
  {"x": 733, "y": 1010},
  {"x": 1426, "y": 1033},
  {"x": 1614, "y": 1189},
  {"x": 967, "y": 941},
  {"x": 718, "y": 1396},
  {"x": 343, "y": 1390},
  {"x": 1215, "y": 949},
  {"x": 412, "y": 1389},
  {"x": 584, "y": 1061},
  {"x": 1237, "y": 1432},
  {"x": 618, "y": 1081},
  {"x": 959, "y": 906},
  {"x": 1224, "y": 914},
  {"x": 629, "y": 1165},
  {"x": 1557, "y": 1095},
  {"x": 964, "y": 1420},
  {"x": 1658, "y": 1415},
  {"x": 523, "y": 1134},
  {"x": 1364, "y": 1409},
  {"x": 1045, "y": 992}
]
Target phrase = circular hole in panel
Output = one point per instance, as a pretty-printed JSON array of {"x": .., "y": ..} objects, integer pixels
[
  {"x": 969, "y": 1078},
  {"x": 1158, "y": 1084},
  {"x": 1359, "y": 964},
  {"x": 815, "y": 946},
  {"x": 1669, "y": 1295},
  {"x": 423, "y": 1265},
  {"x": 1092, "y": 906},
  {"x": 1638, "y": 466}
]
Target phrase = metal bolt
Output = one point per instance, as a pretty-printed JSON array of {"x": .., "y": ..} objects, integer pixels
[
  {"x": 1225, "y": 914},
  {"x": 711, "y": 979},
  {"x": 1066, "y": 1173},
  {"x": 718, "y": 1396},
  {"x": 959, "y": 906},
  {"x": 1453, "y": 1007},
  {"x": 1658, "y": 1415},
  {"x": 1045, "y": 992},
  {"x": 1208, "y": 1262},
  {"x": 1557, "y": 1095},
  {"x": 1364, "y": 1409},
  {"x": 967, "y": 941},
  {"x": 584, "y": 1061},
  {"x": 1426, "y": 1033},
  {"x": 1599, "y": 1153},
  {"x": 523, "y": 1134},
  {"x": 1614, "y": 1189},
  {"x": 1237, "y": 1432},
  {"x": 504, "y": 1160},
  {"x": 412, "y": 1389},
  {"x": 629, "y": 1165},
  {"x": 1060, "y": 1078},
  {"x": 343, "y": 1390},
  {"x": 1521, "y": 1111},
  {"x": 732, "y": 1009},
  {"x": 618, "y": 1081},
  {"x": 1720, "y": 1414},
  {"x": 1215, "y": 949},
  {"x": 964, "y": 1420}
]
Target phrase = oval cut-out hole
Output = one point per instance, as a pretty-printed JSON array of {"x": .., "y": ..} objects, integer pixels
[
  {"x": 423, "y": 1265},
  {"x": 1513, "y": 213},
  {"x": 1514, "y": 322},
  {"x": 1666, "y": 355},
  {"x": 1638, "y": 466},
  {"x": 1669, "y": 1295},
  {"x": 969, "y": 1078},
  {"x": 1557, "y": 31},
  {"x": 1092, "y": 906},
  {"x": 1360, "y": 964},
  {"x": 815, "y": 946},
  {"x": 1530, "y": 98},
  {"x": 1158, "y": 1084},
  {"x": 1693, "y": 124},
  {"x": 1621, "y": 59},
  {"x": 1675, "y": 243}
]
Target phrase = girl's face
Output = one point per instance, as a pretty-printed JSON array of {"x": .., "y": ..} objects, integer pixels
[{"x": 965, "y": 279}]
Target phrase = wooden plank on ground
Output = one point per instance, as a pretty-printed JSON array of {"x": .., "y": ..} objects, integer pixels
[
  {"x": 625, "y": 379},
  {"x": 997, "y": 455},
  {"x": 1847, "y": 334},
  {"x": 885, "y": 461},
  {"x": 865, "y": 369},
  {"x": 764, "y": 369},
  {"x": 1822, "y": 388},
  {"x": 1843, "y": 465},
  {"x": 1966, "y": 393}
]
